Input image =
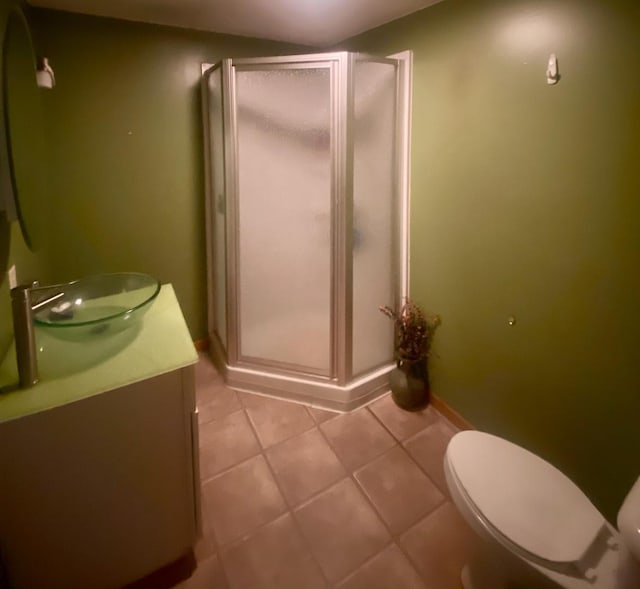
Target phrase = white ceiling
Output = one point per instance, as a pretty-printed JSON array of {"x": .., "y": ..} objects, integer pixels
[{"x": 308, "y": 22}]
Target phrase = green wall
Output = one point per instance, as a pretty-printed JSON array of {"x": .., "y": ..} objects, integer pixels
[
  {"x": 124, "y": 133},
  {"x": 526, "y": 202}
]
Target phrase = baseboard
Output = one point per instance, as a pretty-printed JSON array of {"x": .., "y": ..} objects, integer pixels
[
  {"x": 451, "y": 414},
  {"x": 202, "y": 345}
]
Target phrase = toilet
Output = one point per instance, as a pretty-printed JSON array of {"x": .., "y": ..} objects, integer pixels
[{"x": 534, "y": 528}]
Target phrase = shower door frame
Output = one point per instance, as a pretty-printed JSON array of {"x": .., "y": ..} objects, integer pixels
[
  {"x": 217, "y": 344},
  {"x": 337, "y": 65},
  {"x": 399, "y": 196},
  {"x": 297, "y": 381}
]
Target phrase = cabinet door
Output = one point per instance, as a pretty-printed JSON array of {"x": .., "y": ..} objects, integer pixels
[{"x": 98, "y": 493}]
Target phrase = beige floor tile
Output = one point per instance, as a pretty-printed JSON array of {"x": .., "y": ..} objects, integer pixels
[
  {"x": 274, "y": 557},
  {"x": 255, "y": 400},
  {"x": 400, "y": 491},
  {"x": 304, "y": 465},
  {"x": 357, "y": 437},
  {"x": 388, "y": 570},
  {"x": 438, "y": 546},
  {"x": 226, "y": 442},
  {"x": 205, "y": 372},
  {"x": 275, "y": 420},
  {"x": 217, "y": 401},
  {"x": 402, "y": 424},
  {"x": 241, "y": 499},
  {"x": 208, "y": 575},
  {"x": 342, "y": 529},
  {"x": 322, "y": 415},
  {"x": 428, "y": 448},
  {"x": 213, "y": 398}
]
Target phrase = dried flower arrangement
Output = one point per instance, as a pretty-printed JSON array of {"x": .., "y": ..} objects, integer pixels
[{"x": 414, "y": 331}]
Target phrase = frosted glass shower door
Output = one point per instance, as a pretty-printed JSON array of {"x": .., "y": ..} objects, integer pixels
[
  {"x": 284, "y": 194},
  {"x": 375, "y": 210}
]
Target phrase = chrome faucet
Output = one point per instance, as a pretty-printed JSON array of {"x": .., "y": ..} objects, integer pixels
[{"x": 22, "y": 308}]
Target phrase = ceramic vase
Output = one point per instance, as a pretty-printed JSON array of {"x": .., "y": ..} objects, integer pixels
[{"x": 410, "y": 384}]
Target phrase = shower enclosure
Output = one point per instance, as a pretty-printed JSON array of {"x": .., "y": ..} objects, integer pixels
[{"x": 306, "y": 222}]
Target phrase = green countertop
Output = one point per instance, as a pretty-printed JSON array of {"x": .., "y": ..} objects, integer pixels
[{"x": 70, "y": 371}]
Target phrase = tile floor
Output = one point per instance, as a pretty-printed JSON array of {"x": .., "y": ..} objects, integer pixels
[{"x": 300, "y": 498}]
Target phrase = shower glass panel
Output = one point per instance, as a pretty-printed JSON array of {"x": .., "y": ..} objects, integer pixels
[
  {"x": 374, "y": 210},
  {"x": 217, "y": 169},
  {"x": 284, "y": 215}
]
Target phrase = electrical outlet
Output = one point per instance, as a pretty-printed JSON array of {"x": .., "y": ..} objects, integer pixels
[{"x": 13, "y": 281}]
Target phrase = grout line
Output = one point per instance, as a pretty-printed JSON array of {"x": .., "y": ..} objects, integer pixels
[
  {"x": 261, "y": 450},
  {"x": 386, "y": 427},
  {"x": 396, "y": 535},
  {"x": 383, "y": 425},
  {"x": 218, "y": 419},
  {"x": 366, "y": 562},
  {"x": 248, "y": 409},
  {"x": 229, "y": 468},
  {"x": 374, "y": 457},
  {"x": 445, "y": 492},
  {"x": 440, "y": 421},
  {"x": 440, "y": 418},
  {"x": 313, "y": 497}
]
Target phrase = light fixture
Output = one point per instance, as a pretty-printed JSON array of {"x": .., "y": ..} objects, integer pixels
[{"x": 44, "y": 75}]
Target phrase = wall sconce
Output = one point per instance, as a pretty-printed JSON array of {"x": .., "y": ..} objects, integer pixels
[{"x": 44, "y": 75}]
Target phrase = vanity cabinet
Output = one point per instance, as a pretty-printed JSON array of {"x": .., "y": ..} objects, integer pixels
[
  {"x": 99, "y": 466},
  {"x": 100, "y": 492}
]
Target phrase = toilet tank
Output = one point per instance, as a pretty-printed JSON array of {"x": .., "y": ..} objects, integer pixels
[{"x": 629, "y": 520}]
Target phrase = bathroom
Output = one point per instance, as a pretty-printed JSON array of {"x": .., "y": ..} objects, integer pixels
[{"x": 523, "y": 201}]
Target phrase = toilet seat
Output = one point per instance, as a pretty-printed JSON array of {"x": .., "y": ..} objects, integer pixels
[{"x": 526, "y": 502}]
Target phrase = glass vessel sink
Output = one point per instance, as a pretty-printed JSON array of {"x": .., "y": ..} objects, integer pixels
[{"x": 105, "y": 303}]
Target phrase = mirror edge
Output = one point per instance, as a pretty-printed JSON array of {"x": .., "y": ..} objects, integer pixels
[{"x": 7, "y": 192}]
